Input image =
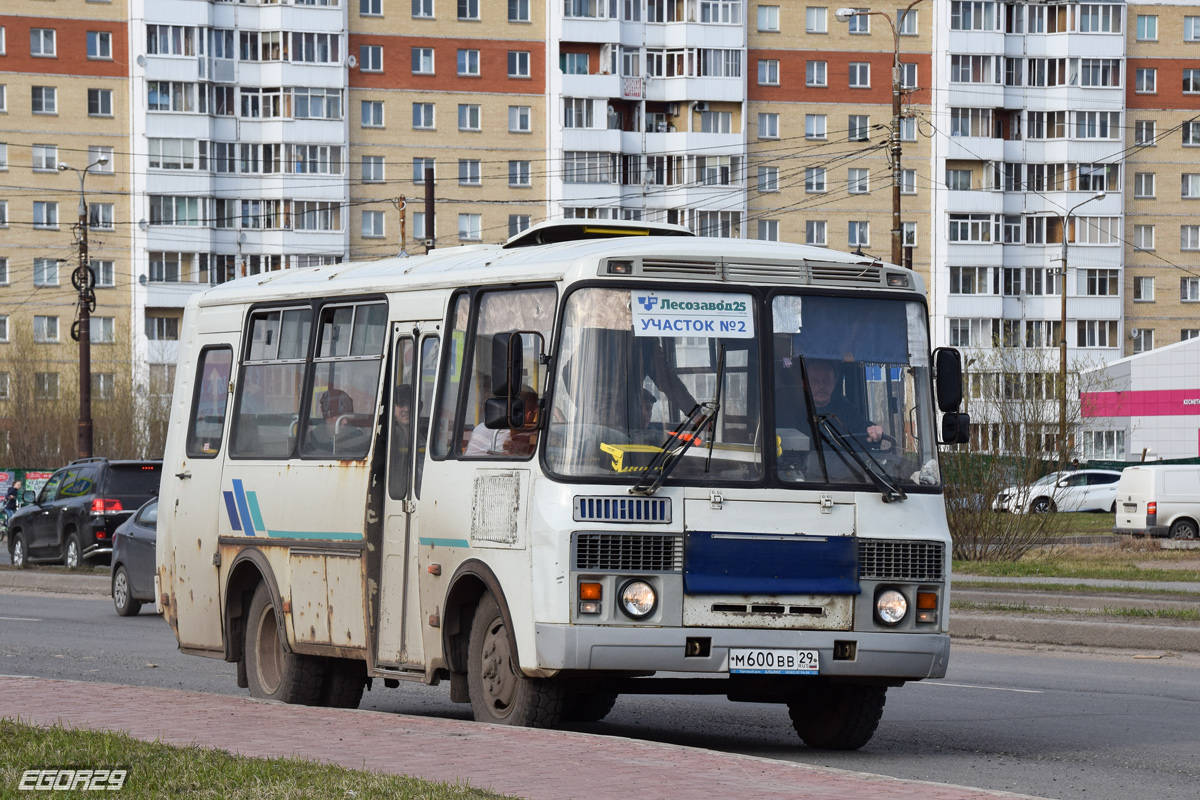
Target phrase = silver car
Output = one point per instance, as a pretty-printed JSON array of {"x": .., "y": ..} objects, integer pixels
[{"x": 1070, "y": 490}]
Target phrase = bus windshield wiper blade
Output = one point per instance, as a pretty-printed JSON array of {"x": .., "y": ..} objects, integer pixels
[
  {"x": 678, "y": 442},
  {"x": 846, "y": 444}
]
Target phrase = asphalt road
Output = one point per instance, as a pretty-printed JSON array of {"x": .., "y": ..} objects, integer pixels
[{"x": 1036, "y": 721}]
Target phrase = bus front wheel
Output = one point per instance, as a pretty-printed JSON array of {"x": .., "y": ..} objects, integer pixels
[
  {"x": 500, "y": 694},
  {"x": 272, "y": 672},
  {"x": 838, "y": 716}
]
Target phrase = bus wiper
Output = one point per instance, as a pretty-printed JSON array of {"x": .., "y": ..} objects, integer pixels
[
  {"x": 846, "y": 444},
  {"x": 680, "y": 440}
]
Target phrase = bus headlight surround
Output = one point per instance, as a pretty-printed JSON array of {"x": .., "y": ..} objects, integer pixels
[
  {"x": 890, "y": 607},
  {"x": 637, "y": 599}
]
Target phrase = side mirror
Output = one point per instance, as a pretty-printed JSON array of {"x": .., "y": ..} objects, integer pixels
[
  {"x": 507, "y": 359},
  {"x": 504, "y": 413},
  {"x": 947, "y": 371},
  {"x": 28, "y": 496},
  {"x": 956, "y": 428}
]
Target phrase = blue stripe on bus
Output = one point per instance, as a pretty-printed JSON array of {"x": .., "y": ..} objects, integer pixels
[
  {"x": 444, "y": 542},
  {"x": 326, "y": 535},
  {"x": 240, "y": 495},
  {"x": 231, "y": 509},
  {"x": 255, "y": 512}
]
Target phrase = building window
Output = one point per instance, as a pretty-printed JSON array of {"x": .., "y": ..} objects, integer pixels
[
  {"x": 421, "y": 9},
  {"x": 468, "y": 172},
  {"x": 45, "y": 385},
  {"x": 857, "y": 126},
  {"x": 857, "y": 181},
  {"x": 3, "y": 103},
  {"x": 1145, "y": 80},
  {"x": 1143, "y": 184},
  {"x": 1096, "y": 333},
  {"x": 768, "y": 19},
  {"x": 99, "y": 102},
  {"x": 1143, "y": 340},
  {"x": 422, "y": 60},
  {"x": 45, "y": 158},
  {"x": 716, "y": 122},
  {"x": 1143, "y": 237},
  {"x": 100, "y": 216},
  {"x": 768, "y": 179},
  {"x": 908, "y": 181},
  {"x": 162, "y": 329},
  {"x": 1189, "y": 333},
  {"x": 1191, "y": 29},
  {"x": 420, "y": 165},
  {"x": 768, "y": 230},
  {"x": 971, "y": 228},
  {"x": 517, "y": 223},
  {"x": 45, "y": 329},
  {"x": 1147, "y": 27},
  {"x": 814, "y": 73},
  {"x": 101, "y": 330},
  {"x": 768, "y": 126},
  {"x": 1191, "y": 134},
  {"x": 1189, "y": 237},
  {"x": 1190, "y": 185},
  {"x": 470, "y": 227},
  {"x": 42, "y": 42},
  {"x": 1143, "y": 132},
  {"x": 1101, "y": 282},
  {"x": 909, "y": 234},
  {"x": 768, "y": 72},
  {"x": 95, "y": 153},
  {"x": 814, "y": 179},
  {"x": 374, "y": 8},
  {"x": 468, "y": 117},
  {"x": 4, "y": 338},
  {"x": 518, "y": 10},
  {"x": 372, "y": 225},
  {"x": 103, "y": 269},
  {"x": 372, "y": 169},
  {"x": 372, "y": 113},
  {"x": 518, "y": 173},
  {"x": 1143, "y": 289},
  {"x": 814, "y": 232},
  {"x": 45, "y": 272},
  {"x": 468, "y": 9},
  {"x": 423, "y": 116},
  {"x": 1189, "y": 290},
  {"x": 99, "y": 44},
  {"x": 468, "y": 62},
  {"x": 859, "y": 23},
  {"x": 860, "y": 74},
  {"x": 45, "y": 214},
  {"x": 102, "y": 382},
  {"x": 859, "y": 233},
  {"x": 1191, "y": 80},
  {"x": 518, "y": 63},
  {"x": 814, "y": 126},
  {"x": 816, "y": 20},
  {"x": 574, "y": 63},
  {"x": 45, "y": 100},
  {"x": 906, "y": 22},
  {"x": 370, "y": 58},
  {"x": 519, "y": 119},
  {"x": 908, "y": 76}
]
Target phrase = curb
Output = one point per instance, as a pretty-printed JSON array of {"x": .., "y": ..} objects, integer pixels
[
  {"x": 1082, "y": 633},
  {"x": 55, "y": 583}
]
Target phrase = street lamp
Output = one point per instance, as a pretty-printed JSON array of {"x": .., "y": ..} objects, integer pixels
[
  {"x": 844, "y": 15},
  {"x": 1063, "y": 450},
  {"x": 84, "y": 281}
]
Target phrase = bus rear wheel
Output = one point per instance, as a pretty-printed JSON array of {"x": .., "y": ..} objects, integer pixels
[
  {"x": 272, "y": 672},
  {"x": 499, "y": 693},
  {"x": 838, "y": 716}
]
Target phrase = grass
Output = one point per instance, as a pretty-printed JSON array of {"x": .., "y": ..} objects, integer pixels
[
  {"x": 1073, "y": 588},
  {"x": 158, "y": 770},
  {"x": 1118, "y": 561},
  {"x": 1179, "y": 614}
]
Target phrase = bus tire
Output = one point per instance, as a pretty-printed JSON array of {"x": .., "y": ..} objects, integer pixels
[
  {"x": 500, "y": 694},
  {"x": 344, "y": 683},
  {"x": 838, "y": 716},
  {"x": 589, "y": 706},
  {"x": 272, "y": 672}
]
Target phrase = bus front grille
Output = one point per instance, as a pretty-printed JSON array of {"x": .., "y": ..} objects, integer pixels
[
  {"x": 622, "y": 509},
  {"x": 900, "y": 560},
  {"x": 627, "y": 552}
]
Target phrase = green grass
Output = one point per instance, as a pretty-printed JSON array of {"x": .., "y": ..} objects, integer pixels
[
  {"x": 1069, "y": 568},
  {"x": 1178, "y": 614},
  {"x": 158, "y": 770},
  {"x": 1073, "y": 588}
]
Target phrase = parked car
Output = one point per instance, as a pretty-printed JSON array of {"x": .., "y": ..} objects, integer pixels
[
  {"x": 1159, "y": 500},
  {"x": 1070, "y": 490},
  {"x": 133, "y": 560},
  {"x": 73, "y": 518}
]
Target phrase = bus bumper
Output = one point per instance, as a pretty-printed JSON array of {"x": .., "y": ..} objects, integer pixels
[{"x": 908, "y": 656}]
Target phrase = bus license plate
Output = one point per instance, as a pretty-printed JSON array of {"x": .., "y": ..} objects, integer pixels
[
  {"x": 754, "y": 661},
  {"x": 1130, "y": 508}
]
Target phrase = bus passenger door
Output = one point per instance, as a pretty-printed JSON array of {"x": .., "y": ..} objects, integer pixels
[{"x": 414, "y": 364}]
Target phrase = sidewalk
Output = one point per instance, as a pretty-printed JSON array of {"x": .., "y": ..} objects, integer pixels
[{"x": 534, "y": 764}]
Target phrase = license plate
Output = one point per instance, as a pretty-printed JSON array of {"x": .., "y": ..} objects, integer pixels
[
  {"x": 755, "y": 661},
  {"x": 1130, "y": 507}
]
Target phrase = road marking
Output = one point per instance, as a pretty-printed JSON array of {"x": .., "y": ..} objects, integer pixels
[
  {"x": 21, "y": 619},
  {"x": 989, "y": 688}
]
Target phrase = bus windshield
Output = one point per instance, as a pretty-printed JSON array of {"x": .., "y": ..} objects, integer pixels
[{"x": 634, "y": 363}]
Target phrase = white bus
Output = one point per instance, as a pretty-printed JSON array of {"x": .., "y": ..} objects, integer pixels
[{"x": 601, "y": 459}]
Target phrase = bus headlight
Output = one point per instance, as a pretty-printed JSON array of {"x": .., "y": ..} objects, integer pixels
[
  {"x": 638, "y": 599},
  {"x": 890, "y": 607}
]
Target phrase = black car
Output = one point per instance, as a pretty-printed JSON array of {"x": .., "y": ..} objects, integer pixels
[
  {"x": 133, "y": 560},
  {"x": 73, "y": 518}
]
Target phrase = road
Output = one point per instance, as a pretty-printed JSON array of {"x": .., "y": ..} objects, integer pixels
[{"x": 1059, "y": 724}]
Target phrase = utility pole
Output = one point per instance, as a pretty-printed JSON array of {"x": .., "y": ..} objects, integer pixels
[
  {"x": 429, "y": 222},
  {"x": 401, "y": 204},
  {"x": 84, "y": 281}
]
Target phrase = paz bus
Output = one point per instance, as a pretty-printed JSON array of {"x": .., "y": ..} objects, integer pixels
[{"x": 600, "y": 459}]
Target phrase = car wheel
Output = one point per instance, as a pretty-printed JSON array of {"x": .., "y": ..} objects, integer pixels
[
  {"x": 1183, "y": 529},
  {"x": 71, "y": 552},
  {"x": 20, "y": 552},
  {"x": 1041, "y": 505},
  {"x": 272, "y": 672},
  {"x": 122, "y": 595},
  {"x": 1113, "y": 508}
]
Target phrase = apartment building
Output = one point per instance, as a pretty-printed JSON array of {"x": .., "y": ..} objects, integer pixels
[
  {"x": 1162, "y": 180},
  {"x": 63, "y": 131}
]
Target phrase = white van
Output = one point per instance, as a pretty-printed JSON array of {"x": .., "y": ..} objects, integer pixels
[{"x": 1159, "y": 500}]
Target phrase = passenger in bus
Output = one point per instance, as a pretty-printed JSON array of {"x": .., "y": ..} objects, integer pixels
[{"x": 337, "y": 435}]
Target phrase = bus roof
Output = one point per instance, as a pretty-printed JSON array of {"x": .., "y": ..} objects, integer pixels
[{"x": 670, "y": 257}]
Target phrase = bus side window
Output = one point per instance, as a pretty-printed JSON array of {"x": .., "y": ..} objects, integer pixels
[
  {"x": 207, "y": 425},
  {"x": 400, "y": 455},
  {"x": 456, "y": 337},
  {"x": 268, "y": 393},
  {"x": 429, "y": 364}
]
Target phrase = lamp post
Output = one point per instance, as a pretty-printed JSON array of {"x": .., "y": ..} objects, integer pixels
[
  {"x": 1063, "y": 450},
  {"x": 84, "y": 281},
  {"x": 844, "y": 15}
]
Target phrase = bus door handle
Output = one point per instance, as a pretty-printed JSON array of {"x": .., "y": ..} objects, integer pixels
[
  {"x": 410, "y": 506},
  {"x": 182, "y": 475}
]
